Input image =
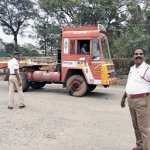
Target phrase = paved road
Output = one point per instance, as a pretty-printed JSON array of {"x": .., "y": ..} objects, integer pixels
[{"x": 53, "y": 120}]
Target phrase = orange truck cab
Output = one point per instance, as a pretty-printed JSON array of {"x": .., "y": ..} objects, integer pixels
[
  {"x": 85, "y": 59},
  {"x": 84, "y": 62}
]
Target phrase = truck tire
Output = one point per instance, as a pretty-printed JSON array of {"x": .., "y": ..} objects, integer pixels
[
  {"x": 91, "y": 87},
  {"x": 76, "y": 85},
  {"x": 37, "y": 85},
  {"x": 25, "y": 82}
]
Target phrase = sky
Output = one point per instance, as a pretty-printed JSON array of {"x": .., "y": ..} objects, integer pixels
[{"x": 25, "y": 39}]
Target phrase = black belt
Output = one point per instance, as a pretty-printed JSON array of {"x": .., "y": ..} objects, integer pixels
[{"x": 13, "y": 74}]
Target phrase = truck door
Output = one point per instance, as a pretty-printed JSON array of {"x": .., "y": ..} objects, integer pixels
[{"x": 95, "y": 61}]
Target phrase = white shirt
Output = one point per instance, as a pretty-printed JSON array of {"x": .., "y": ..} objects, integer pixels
[
  {"x": 13, "y": 65},
  {"x": 138, "y": 79},
  {"x": 83, "y": 50}
]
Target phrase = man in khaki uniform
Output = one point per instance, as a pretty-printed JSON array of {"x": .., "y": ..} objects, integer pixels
[
  {"x": 15, "y": 82},
  {"x": 137, "y": 92}
]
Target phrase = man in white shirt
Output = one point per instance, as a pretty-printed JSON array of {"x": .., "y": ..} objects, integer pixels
[
  {"x": 15, "y": 82},
  {"x": 137, "y": 92}
]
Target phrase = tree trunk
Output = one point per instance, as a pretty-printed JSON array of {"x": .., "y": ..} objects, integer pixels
[
  {"x": 15, "y": 42},
  {"x": 45, "y": 47}
]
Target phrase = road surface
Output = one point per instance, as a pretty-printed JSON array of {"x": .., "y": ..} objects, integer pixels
[{"x": 53, "y": 120}]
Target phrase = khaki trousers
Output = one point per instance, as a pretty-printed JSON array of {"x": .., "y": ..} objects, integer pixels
[
  {"x": 139, "y": 110},
  {"x": 14, "y": 86}
]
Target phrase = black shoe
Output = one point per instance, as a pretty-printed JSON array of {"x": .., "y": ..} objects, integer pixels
[
  {"x": 22, "y": 106},
  {"x": 9, "y": 107}
]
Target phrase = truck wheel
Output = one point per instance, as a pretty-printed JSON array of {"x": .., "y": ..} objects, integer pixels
[
  {"x": 37, "y": 85},
  {"x": 76, "y": 86},
  {"x": 25, "y": 82},
  {"x": 91, "y": 87}
]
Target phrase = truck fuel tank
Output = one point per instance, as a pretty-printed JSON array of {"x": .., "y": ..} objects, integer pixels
[{"x": 44, "y": 76}]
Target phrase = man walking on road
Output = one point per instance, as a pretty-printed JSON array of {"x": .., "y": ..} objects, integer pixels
[
  {"x": 15, "y": 82},
  {"x": 137, "y": 93}
]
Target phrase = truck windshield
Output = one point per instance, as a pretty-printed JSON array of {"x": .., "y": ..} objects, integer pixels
[
  {"x": 105, "y": 48},
  {"x": 95, "y": 49}
]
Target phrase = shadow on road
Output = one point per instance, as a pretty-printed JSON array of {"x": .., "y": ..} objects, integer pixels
[{"x": 63, "y": 92}]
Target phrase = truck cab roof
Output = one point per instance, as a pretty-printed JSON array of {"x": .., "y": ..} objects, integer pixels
[{"x": 88, "y": 31}]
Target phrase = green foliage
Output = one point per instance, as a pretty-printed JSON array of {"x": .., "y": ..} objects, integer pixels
[
  {"x": 25, "y": 51},
  {"x": 48, "y": 35},
  {"x": 62, "y": 10},
  {"x": 127, "y": 21},
  {"x": 14, "y": 15},
  {"x": 82, "y": 11},
  {"x": 135, "y": 33},
  {"x": 5, "y": 54},
  {"x": 9, "y": 47},
  {"x": 28, "y": 52}
]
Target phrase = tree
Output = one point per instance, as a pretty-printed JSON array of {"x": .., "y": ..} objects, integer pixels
[
  {"x": 135, "y": 33},
  {"x": 2, "y": 45},
  {"x": 28, "y": 51},
  {"x": 14, "y": 15},
  {"x": 9, "y": 47},
  {"x": 63, "y": 11},
  {"x": 48, "y": 34},
  {"x": 83, "y": 12},
  {"x": 127, "y": 21}
]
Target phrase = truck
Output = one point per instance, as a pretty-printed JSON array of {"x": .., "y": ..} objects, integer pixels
[{"x": 79, "y": 72}]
